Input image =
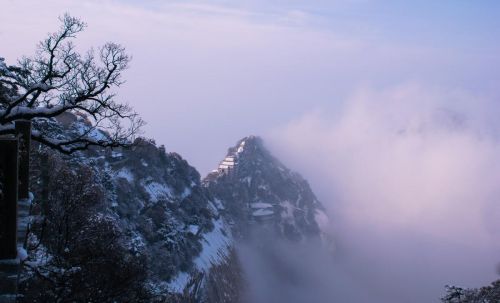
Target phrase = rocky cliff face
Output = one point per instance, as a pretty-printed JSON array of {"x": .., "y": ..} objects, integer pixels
[
  {"x": 184, "y": 229},
  {"x": 168, "y": 216},
  {"x": 255, "y": 188},
  {"x": 189, "y": 228},
  {"x": 156, "y": 207}
]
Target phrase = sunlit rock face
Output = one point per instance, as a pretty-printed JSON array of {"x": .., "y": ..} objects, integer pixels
[{"x": 256, "y": 190}]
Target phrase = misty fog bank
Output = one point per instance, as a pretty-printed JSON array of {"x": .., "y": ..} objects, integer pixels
[
  {"x": 410, "y": 177},
  {"x": 281, "y": 271},
  {"x": 397, "y": 267}
]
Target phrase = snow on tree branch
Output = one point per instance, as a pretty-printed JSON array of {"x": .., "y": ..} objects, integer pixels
[{"x": 58, "y": 79}]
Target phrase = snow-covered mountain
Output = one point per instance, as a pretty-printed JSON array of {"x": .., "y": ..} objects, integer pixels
[
  {"x": 183, "y": 229},
  {"x": 168, "y": 216},
  {"x": 255, "y": 188}
]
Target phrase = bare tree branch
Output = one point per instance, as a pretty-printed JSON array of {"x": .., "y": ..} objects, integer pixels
[{"x": 59, "y": 80}]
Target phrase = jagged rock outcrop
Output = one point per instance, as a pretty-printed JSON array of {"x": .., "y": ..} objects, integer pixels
[{"x": 255, "y": 188}]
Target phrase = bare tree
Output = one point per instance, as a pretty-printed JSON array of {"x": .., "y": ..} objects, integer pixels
[{"x": 58, "y": 80}]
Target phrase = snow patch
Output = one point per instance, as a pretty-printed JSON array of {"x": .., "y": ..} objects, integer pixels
[
  {"x": 97, "y": 135},
  {"x": 247, "y": 179},
  {"x": 215, "y": 247},
  {"x": 93, "y": 133},
  {"x": 126, "y": 174},
  {"x": 186, "y": 193},
  {"x": 322, "y": 220},
  {"x": 227, "y": 164},
  {"x": 193, "y": 229},
  {"x": 241, "y": 147},
  {"x": 180, "y": 282},
  {"x": 262, "y": 212},
  {"x": 136, "y": 242},
  {"x": 263, "y": 187},
  {"x": 260, "y": 205},
  {"x": 22, "y": 254},
  {"x": 157, "y": 191},
  {"x": 217, "y": 204},
  {"x": 115, "y": 155}
]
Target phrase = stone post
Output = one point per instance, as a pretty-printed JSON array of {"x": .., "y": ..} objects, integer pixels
[{"x": 8, "y": 197}]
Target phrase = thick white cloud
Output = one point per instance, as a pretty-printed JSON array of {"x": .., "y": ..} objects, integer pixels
[{"x": 411, "y": 178}]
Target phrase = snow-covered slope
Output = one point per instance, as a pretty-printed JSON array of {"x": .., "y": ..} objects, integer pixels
[
  {"x": 187, "y": 229},
  {"x": 169, "y": 216}
]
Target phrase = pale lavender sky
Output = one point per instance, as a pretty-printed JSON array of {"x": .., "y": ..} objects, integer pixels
[
  {"x": 389, "y": 108},
  {"x": 206, "y": 73}
]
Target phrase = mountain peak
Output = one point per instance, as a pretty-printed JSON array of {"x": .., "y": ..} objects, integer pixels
[
  {"x": 255, "y": 188},
  {"x": 248, "y": 153},
  {"x": 252, "y": 139},
  {"x": 249, "y": 143}
]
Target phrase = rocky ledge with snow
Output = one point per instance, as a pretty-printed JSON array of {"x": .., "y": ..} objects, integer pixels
[{"x": 255, "y": 188}]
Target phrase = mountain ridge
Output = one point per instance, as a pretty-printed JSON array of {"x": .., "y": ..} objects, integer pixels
[{"x": 184, "y": 229}]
